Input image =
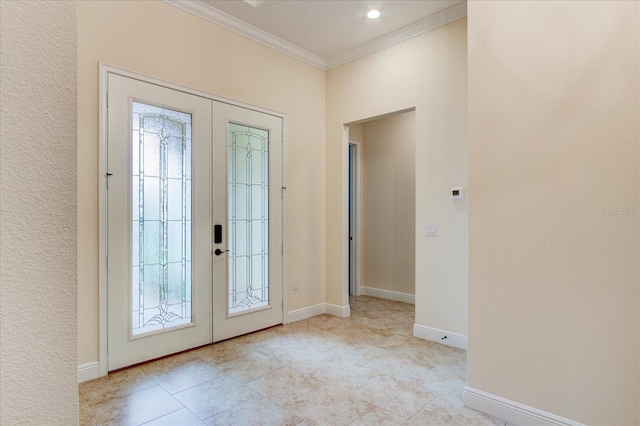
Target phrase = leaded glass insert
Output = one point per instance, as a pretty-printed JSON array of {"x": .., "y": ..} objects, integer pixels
[
  {"x": 248, "y": 171},
  {"x": 161, "y": 218}
]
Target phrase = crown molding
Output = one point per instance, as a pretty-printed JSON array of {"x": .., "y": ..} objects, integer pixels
[
  {"x": 427, "y": 24},
  {"x": 229, "y": 22}
]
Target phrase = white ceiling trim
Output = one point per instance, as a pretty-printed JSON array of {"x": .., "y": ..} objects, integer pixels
[
  {"x": 429, "y": 23},
  {"x": 229, "y": 22},
  {"x": 225, "y": 20}
]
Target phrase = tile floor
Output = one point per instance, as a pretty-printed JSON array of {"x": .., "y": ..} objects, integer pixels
[{"x": 362, "y": 370}]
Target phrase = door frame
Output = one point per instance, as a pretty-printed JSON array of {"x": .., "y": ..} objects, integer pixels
[
  {"x": 355, "y": 215},
  {"x": 104, "y": 71}
]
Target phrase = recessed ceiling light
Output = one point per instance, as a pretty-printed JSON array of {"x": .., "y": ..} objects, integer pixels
[{"x": 373, "y": 14}]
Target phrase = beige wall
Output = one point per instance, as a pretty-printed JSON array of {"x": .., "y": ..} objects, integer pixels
[
  {"x": 428, "y": 72},
  {"x": 554, "y": 282},
  {"x": 38, "y": 296},
  {"x": 388, "y": 179},
  {"x": 160, "y": 40}
]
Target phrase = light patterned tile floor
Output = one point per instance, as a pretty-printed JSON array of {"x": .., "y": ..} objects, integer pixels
[{"x": 362, "y": 370}]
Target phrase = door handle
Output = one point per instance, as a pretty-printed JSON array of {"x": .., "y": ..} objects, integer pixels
[{"x": 218, "y": 252}]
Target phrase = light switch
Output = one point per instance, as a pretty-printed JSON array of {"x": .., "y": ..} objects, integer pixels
[{"x": 432, "y": 229}]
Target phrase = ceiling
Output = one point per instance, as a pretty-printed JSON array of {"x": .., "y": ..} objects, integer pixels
[{"x": 327, "y": 33}]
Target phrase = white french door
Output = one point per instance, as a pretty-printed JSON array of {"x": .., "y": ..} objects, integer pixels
[
  {"x": 178, "y": 164},
  {"x": 249, "y": 254}
]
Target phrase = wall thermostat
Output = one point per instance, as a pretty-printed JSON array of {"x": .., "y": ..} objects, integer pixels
[{"x": 457, "y": 193}]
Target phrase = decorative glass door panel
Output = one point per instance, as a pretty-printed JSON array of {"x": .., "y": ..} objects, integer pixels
[
  {"x": 158, "y": 220},
  {"x": 248, "y": 192},
  {"x": 161, "y": 218}
]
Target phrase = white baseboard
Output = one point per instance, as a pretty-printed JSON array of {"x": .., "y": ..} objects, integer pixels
[
  {"x": 319, "y": 309},
  {"x": 512, "y": 411},
  {"x": 88, "y": 371},
  {"x": 440, "y": 336},
  {"x": 304, "y": 313},
  {"x": 388, "y": 294},
  {"x": 338, "y": 311}
]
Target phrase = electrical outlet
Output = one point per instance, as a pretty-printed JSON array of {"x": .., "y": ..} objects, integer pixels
[{"x": 296, "y": 284}]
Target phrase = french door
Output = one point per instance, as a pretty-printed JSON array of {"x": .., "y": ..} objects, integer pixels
[
  {"x": 248, "y": 257},
  {"x": 194, "y": 219}
]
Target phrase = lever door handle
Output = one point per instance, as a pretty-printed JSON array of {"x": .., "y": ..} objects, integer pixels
[{"x": 218, "y": 252}]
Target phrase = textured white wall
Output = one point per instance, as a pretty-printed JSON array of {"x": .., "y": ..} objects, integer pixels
[{"x": 38, "y": 309}]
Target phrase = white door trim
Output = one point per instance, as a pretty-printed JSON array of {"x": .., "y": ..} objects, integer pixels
[
  {"x": 357, "y": 218},
  {"x": 104, "y": 71},
  {"x": 345, "y": 215}
]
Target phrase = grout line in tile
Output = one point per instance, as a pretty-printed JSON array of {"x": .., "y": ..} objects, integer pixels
[{"x": 164, "y": 415}]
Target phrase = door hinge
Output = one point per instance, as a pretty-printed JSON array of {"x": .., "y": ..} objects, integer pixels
[
  {"x": 282, "y": 248},
  {"x": 108, "y": 175},
  {"x": 107, "y": 100},
  {"x": 107, "y": 263},
  {"x": 284, "y": 188}
]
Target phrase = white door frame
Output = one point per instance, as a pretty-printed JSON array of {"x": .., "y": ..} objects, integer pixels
[
  {"x": 345, "y": 219},
  {"x": 355, "y": 216},
  {"x": 104, "y": 71}
]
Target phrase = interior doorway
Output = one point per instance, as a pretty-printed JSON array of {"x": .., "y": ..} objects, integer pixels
[{"x": 380, "y": 181}]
